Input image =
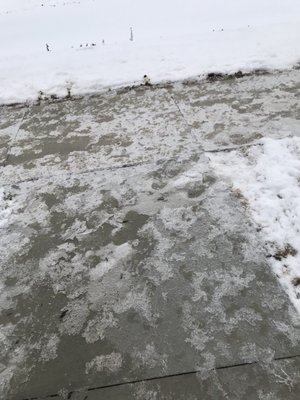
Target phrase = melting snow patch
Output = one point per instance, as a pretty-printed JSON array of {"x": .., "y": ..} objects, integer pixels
[
  {"x": 49, "y": 351},
  {"x": 266, "y": 178},
  {"x": 4, "y": 210},
  {"x": 110, "y": 363},
  {"x": 179, "y": 220},
  {"x": 149, "y": 357},
  {"x": 113, "y": 256}
]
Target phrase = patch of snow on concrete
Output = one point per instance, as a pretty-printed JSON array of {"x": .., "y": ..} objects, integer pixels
[
  {"x": 49, "y": 351},
  {"x": 113, "y": 256},
  {"x": 179, "y": 220},
  {"x": 158, "y": 263},
  {"x": 266, "y": 178},
  {"x": 76, "y": 315},
  {"x": 192, "y": 175},
  {"x": 198, "y": 336},
  {"x": 4, "y": 209},
  {"x": 64, "y": 269},
  {"x": 13, "y": 356},
  {"x": 150, "y": 357},
  {"x": 109, "y": 363},
  {"x": 138, "y": 301},
  {"x": 97, "y": 327}
]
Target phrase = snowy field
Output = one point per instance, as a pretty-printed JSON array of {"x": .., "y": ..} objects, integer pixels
[{"x": 90, "y": 47}]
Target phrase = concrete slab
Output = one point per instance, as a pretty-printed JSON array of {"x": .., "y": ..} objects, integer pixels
[
  {"x": 110, "y": 280},
  {"x": 144, "y": 124},
  {"x": 10, "y": 120},
  {"x": 125, "y": 263},
  {"x": 112, "y": 130},
  {"x": 273, "y": 380},
  {"x": 240, "y": 111}
]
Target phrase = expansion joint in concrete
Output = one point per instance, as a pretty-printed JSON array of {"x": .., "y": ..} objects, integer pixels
[
  {"x": 161, "y": 377},
  {"x": 181, "y": 112},
  {"x": 25, "y": 113}
]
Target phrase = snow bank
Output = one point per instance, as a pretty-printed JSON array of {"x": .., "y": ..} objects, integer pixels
[
  {"x": 266, "y": 178},
  {"x": 172, "y": 40}
]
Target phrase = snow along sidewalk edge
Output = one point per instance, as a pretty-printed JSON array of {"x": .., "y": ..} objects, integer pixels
[
  {"x": 266, "y": 179},
  {"x": 46, "y": 98}
]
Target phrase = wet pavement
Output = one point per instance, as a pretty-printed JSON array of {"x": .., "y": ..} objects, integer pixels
[{"x": 129, "y": 269}]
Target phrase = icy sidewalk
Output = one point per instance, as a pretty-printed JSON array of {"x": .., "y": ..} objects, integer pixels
[{"x": 129, "y": 267}]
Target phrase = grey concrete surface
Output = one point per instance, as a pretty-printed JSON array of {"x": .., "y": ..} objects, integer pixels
[
  {"x": 129, "y": 269},
  {"x": 277, "y": 380}
]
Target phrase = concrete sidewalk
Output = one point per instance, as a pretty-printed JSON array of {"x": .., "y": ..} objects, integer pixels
[{"x": 129, "y": 270}]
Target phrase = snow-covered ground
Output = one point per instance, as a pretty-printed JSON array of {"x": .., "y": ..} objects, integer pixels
[
  {"x": 172, "y": 39},
  {"x": 4, "y": 211},
  {"x": 266, "y": 178}
]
